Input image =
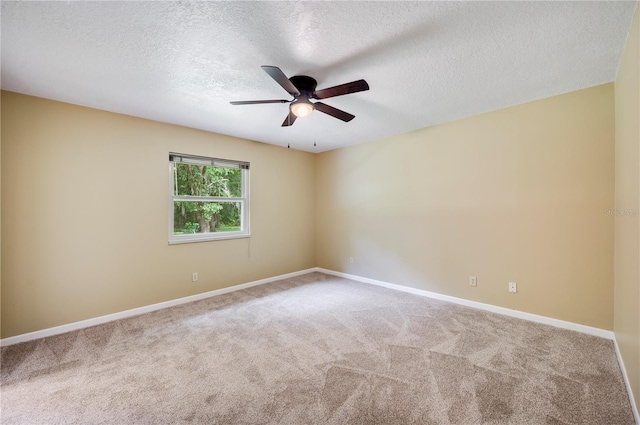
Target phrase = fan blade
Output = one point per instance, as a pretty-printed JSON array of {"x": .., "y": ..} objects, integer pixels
[
  {"x": 334, "y": 112},
  {"x": 352, "y": 87},
  {"x": 256, "y": 102},
  {"x": 275, "y": 73},
  {"x": 291, "y": 118}
]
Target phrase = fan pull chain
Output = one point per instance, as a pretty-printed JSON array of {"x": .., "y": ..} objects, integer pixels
[{"x": 315, "y": 127}]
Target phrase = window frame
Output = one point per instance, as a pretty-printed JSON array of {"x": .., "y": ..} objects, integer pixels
[{"x": 245, "y": 231}]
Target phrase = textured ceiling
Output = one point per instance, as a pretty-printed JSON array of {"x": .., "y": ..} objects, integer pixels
[{"x": 426, "y": 62}]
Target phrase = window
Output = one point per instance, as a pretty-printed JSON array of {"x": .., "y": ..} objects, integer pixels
[{"x": 209, "y": 198}]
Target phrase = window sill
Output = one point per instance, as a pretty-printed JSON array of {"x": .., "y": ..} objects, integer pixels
[{"x": 208, "y": 238}]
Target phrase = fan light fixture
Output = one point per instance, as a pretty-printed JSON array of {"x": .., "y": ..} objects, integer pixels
[{"x": 302, "y": 108}]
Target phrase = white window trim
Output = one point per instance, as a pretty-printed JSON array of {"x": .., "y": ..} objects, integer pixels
[{"x": 213, "y": 236}]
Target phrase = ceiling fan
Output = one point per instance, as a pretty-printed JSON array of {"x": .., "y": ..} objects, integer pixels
[{"x": 303, "y": 89}]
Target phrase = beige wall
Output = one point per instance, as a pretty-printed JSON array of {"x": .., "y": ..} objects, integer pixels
[
  {"x": 0, "y": 210},
  {"x": 85, "y": 214},
  {"x": 627, "y": 224},
  {"x": 514, "y": 195}
]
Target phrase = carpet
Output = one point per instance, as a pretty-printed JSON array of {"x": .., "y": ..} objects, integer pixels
[{"x": 315, "y": 349}]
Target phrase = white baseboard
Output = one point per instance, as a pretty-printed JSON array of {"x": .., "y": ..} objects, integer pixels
[
  {"x": 634, "y": 407},
  {"x": 141, "y": 310},
  {"x": 603, "y": 333},
  {"x": 153, "y": 307}
]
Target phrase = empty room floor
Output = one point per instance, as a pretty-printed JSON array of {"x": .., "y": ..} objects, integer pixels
[{"x": 315, "y": 349}]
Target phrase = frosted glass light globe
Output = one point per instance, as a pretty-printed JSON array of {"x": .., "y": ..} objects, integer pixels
[{"x": 302, "y": 109}]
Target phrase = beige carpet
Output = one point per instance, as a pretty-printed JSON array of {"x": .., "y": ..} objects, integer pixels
[{"x": 315, "y": 350}]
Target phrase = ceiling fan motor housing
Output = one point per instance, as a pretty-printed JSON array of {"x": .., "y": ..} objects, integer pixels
[{"x": 304, "y": 84}]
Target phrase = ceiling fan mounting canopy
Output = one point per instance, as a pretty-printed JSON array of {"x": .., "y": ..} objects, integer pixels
[
  {"x": 303, "y": 88},
  {"x": 304, "y": 83}
]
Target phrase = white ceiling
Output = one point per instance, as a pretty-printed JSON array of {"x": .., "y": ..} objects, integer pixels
[{"x": 426, "y": 62}]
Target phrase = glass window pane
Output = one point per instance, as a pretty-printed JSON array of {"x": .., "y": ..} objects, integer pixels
[
  {"x": 205, "y": 180},
  {"x": 206, "y": 217}
]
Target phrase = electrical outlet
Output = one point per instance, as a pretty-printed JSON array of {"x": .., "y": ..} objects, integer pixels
[
  {"x": 513, "y": 287},
  {"x": 473, "y": 281},
  {"x": 194, "y": 277},
  {"x": 350, "y": 260}
]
